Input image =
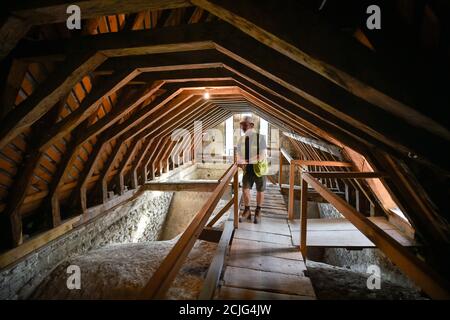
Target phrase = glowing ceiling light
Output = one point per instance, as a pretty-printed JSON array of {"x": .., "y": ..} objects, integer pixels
[{"x": 206, "y": 95}]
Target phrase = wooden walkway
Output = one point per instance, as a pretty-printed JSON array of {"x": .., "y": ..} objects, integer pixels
[
  {"x": 341, "y": 233},
  {"x": 263, "y": 262}
]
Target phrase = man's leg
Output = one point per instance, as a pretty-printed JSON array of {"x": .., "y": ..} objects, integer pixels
[
  {"x": 246, "y": 193},
  {"x": 260, "y": 188},
  {"x": 247, "y": 184},
  {"x": 259, "y": 198}
]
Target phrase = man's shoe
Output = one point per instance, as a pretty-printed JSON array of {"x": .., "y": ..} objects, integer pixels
[
  {"x": 246, "y": 214},
  {"x": 257, "y": 215}
]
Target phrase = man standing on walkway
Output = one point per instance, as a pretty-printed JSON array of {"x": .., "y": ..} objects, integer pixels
[{"x": 251, "y": 157}]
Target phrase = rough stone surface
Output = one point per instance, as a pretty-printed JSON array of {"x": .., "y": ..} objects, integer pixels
[
  {"x": 120, "y": 271},
  {"x": 338, "y": 283},
  {"x": 327, "y": 210},
  {"x": 184, "y": 206},
  {"x": 360, "y": 260},
  {"x": 138, "y": 220}
]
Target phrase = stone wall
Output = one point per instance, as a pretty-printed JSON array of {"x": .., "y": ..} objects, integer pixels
[
  {"x": 139, "y": 220},
  {"x": 359, "y": 260},
  {"x": 184, "y": 206}
]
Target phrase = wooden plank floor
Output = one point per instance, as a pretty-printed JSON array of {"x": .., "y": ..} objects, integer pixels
[
  {"x": 341, "y": 233},
  {"x": 263, "y": 263}
]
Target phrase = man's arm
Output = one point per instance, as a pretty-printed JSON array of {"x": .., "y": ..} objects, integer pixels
[
  {"x": 240, "y": 159},
  {"x": 262, "y": 147}
]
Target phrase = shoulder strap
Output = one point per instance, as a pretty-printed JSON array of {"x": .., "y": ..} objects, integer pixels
[{"x": 257, "y": 146}]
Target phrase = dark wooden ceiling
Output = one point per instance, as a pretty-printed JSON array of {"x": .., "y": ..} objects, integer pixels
[{"x": 85, "y": 108}]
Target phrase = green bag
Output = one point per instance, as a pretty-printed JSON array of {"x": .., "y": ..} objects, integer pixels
[{"x": 261, "y": 168}]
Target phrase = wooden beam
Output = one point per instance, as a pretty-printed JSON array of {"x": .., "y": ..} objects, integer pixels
[
  {"x": 23, "y": 16},
  {"x": 270, "y": 28},
  {"x": 165, "y": 129},
  {"x": 115, "y": 132},
  {"x": 221, "y": 213},
  {"x": 433, "y": 284},
  {"x": 215, "y": 268},
  {"x": 11, "y": 31},
  {"x": 313, "y": 196},
  {"x": 35, "y": 243},
  {"x": 102, "y": 185},
  {"x": 39, "y": 13},
  {"x": 182, "y": 185},
  {"x": 312, "y": 88},
  {"x": 347, "y": 175},
  {"x": 286, "y": 155},
  {"x": 156, "y": 80},
  {"x": 166, "y": 272},
  {"x": 321, "y": 145},
  {"x": 173, "y": 125},
  {"x": 236, "y": 198},
  {"x": 13, "y": 78},
  {"x": 126, "y": 161},
  {"x": 303, "y": 218},
  {"x": 48, "y": 94},
  {"x": 280, "y": 172},
  {"x": 92, "y": 102},
  {"x": 322, "y": 163},
  {"x": 291, "y": 191},
  {"x": 11, "y": 217}
]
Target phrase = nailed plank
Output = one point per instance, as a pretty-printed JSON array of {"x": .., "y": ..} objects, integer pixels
[
  {"x": 267, "y": 263},
  {"x": 268, "y": 281},
  {"x": 242, "y": 233},
  {"x": 341, "y": 233},
  {"x": 334, "y": 239},
  {"x": 270, "y": 225},
  {"x": 230, "y": 293},
  {"x": 242, "y": 246}
]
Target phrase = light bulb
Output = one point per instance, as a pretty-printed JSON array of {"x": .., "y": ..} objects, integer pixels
[{"x": 206, "y": 95}]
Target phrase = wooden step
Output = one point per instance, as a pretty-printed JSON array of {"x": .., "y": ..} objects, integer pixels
[
  {"x": 270, "y": 225},
  {"x": 341, "y": 233},
  {"x": 230, "y": 293},
  {"x": 262, "y": 236},
  {"x": 268, "y": 281},
  {"x": 249, "y": 247},
  {"x": 267, "y": 263}
]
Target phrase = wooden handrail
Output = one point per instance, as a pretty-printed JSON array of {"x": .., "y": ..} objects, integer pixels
[
  {"x": 425, "y": 277},
  {"x": 163, "y": 277},
  {"x": 284, "y": 153},
  {"x": 302, "y": 163},
  {"x": 321, "y": 163},
  {"x": 221, "y": 213},
  {"x": 347, "y": 175},
  {"x": 215, "y": 269}
]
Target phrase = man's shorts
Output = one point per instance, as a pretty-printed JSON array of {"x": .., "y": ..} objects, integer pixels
[{"x": 250, "y": 178}]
